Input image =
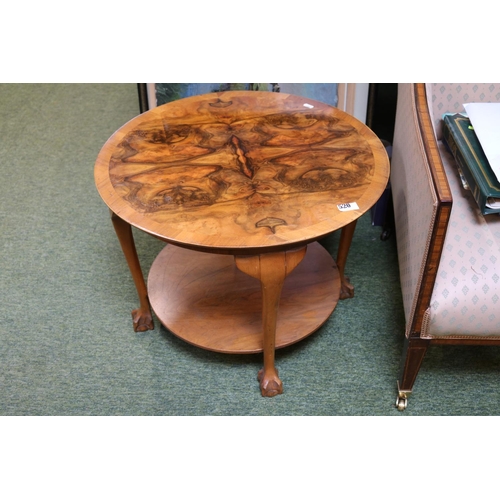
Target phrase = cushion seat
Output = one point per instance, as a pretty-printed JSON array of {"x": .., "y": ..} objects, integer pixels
[{"x": 465, "y": 299}]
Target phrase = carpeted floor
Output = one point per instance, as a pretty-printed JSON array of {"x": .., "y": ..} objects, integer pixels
[{"x": 67, "y": 346}]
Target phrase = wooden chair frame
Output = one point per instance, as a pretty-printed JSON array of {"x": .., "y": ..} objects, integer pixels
[{"x": 415, "y": 347}]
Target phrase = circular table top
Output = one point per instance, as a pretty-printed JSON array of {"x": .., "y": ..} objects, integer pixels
[{"x": 242, "y": 172}]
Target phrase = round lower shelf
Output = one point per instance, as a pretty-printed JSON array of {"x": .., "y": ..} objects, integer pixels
[{"x": 207, "y": 301}]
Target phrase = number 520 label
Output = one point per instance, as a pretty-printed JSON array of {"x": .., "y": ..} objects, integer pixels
[{"x": 345, "y": 207}]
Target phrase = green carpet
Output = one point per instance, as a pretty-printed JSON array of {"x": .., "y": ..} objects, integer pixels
[{"x": 67, "y": 346}]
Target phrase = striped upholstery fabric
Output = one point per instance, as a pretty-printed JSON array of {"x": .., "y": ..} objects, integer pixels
[{"x": 414, "y": 199}]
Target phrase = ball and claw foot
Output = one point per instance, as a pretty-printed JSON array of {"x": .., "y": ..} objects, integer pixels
[
  {"x": 346, "y": 289},
  {"x": 142, "y": 320},
  {"x": 270, "y": 386}
]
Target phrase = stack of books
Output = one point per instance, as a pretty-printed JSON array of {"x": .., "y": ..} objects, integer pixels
[{"x": 475, "y": 169}]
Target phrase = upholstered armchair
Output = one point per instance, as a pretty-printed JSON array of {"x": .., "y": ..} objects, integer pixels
[{"x": 449, "y": 254}]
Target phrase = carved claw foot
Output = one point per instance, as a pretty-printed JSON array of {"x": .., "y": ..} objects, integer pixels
[
  {"x": 346, "y": 289},
  {"x": 270, "y": 386},
  {"x": 142, "y": 320}
]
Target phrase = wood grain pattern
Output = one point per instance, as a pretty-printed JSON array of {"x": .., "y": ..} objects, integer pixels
[
  {"x": 254, "y": 174},
  {"x": 443, "y": 210},
  {"x": 238, "y": 171},
  {"x": 207, "y": 301},
  {"x": 270, "y": 269}
]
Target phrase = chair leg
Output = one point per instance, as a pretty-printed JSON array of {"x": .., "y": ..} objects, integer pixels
[{"x": 413, "y": 354}]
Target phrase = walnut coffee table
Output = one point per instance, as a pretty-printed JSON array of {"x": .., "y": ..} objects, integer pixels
[{"x": 241, "y": 185}]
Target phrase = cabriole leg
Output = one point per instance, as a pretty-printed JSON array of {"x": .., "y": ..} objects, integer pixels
[
  {"x": 141, "y": 317},
  {"x": 271, "y": 270},
  {"x": 347, "y": 289}
]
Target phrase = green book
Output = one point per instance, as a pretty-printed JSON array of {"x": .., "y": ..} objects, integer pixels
[{"x": 462, "y": 142}]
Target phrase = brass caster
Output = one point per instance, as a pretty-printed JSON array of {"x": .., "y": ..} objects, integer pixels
[
  {"x": 402, "y": 399},
  {"x": 401, "y": 403}
]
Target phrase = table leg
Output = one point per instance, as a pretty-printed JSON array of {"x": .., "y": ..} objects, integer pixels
[
  {"x": 346, "y": 289},
  {"x": 141, "y": 317},
  {"x": 271, "y": 270}
]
